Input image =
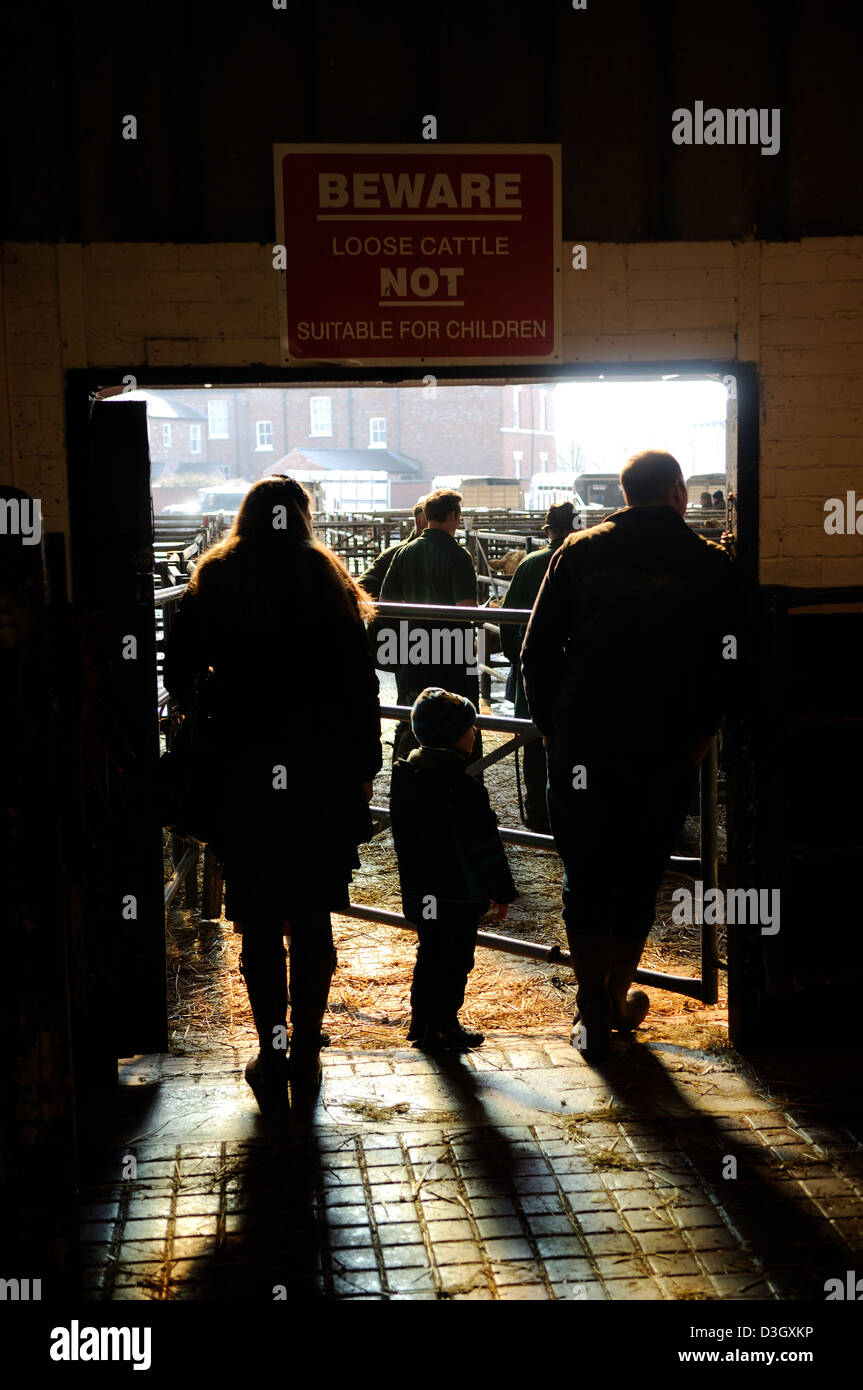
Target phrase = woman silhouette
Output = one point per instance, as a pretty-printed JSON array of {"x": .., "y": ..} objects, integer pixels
[{"x": 296, "y": 728}]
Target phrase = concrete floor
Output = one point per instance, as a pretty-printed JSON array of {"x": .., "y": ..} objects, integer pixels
[{"x": 515, "y": 1172}]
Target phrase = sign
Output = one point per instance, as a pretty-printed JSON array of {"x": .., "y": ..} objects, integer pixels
[{"x": 425, "y": 253}]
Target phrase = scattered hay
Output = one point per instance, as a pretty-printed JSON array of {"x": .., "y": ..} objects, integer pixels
[
  {"x": 383, "y": 1114},
  {"x": 608, "y": 1112},
  {"x": 608, "y": 1158},
  {"x": 370, "y": 996},
  {"x": 478, "y": 1281},
  {"x": 798, "y": 1167},
  {"x": 438, "y": 1117},
  {"x": 374, "y": 1112},
  {"x": 668, "y": 1199},
  {"x": 370, "y": 1110}
]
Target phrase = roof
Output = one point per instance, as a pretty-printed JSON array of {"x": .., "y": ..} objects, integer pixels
[
  {"x": 159, "y": 407},
  {"x": 349, "y": 461},
  {"x": 495, "y": 480}
]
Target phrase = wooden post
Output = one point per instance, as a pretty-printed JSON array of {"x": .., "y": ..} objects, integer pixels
[
  {"x": 211, "y": 898},
  {"x": 190, "y": 887}
]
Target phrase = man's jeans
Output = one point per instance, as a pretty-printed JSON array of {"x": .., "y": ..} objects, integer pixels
[
  {"x": 616, "y": 832},
  {"x": 535, "y": 784}
]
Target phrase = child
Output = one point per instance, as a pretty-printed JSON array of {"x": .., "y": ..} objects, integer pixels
[{"x": 451, "y": 863}]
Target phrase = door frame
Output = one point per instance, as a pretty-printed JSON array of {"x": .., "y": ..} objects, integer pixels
[{"x": 83, "y": 384}]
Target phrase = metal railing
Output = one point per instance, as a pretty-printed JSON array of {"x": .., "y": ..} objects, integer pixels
[
  {"x": 704, "y": 988},
  {"x": 704, "y": 865}
]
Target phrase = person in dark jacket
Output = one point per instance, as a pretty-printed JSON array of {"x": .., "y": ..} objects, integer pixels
[
  {"x": 372, "y": 579},
  {"x": 452, "y": 863},
  {"x": 435, "y": 570},
  {"x": 278, "y": 620},
  {"x": 626, "y": 673},
  {"x": 521, "y": 593}
]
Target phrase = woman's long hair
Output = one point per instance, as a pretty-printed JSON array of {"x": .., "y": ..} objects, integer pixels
[{"x": 271, "y": 562}]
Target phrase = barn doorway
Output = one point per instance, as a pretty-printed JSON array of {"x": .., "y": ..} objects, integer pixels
[{"x": 356, "y": 514}]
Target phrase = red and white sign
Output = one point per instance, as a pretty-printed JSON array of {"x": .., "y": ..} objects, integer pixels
[{"x": 424, "y": 253}]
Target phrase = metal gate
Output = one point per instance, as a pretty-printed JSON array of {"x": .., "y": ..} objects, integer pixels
[{"x": 704, "y": 866}]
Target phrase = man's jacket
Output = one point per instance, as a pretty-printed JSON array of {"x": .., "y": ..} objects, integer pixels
[
  {"x": 629, "y": 635},
  {"x": 445, "y": 832},
  {"x": 432, "y": 569},
  {"x": 372, "y": 579},
  {"x": 521, "y": 593}
]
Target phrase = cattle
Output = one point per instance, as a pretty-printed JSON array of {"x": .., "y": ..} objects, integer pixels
[{"x": 508, "y": 563}]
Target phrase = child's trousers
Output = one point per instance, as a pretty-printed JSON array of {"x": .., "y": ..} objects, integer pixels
[{"x": 445, "y": 956}]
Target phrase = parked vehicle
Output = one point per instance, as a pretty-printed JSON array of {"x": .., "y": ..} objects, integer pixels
[
  {"x": 494, "y": 493},
  {"x": 191, "y": 507},
  {"x": 600, "y": 490},
  {"x": 550, "y": 489},
  {"x": 225, "y": 498}
]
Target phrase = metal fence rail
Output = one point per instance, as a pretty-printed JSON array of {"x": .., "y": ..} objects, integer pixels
[
  {"x": 705, "y": 866},
  {"x": 532, "y": 950},
  {"x": 706, "y": 987}
]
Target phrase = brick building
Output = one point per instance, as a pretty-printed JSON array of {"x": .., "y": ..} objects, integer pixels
[
  {"x": 790, "y": 309},
  {"x": 177, "y": 434},
  {"x": 505, "y": 431}
]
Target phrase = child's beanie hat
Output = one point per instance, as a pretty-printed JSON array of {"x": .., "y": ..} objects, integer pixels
[{"x": 439, "y": 718}]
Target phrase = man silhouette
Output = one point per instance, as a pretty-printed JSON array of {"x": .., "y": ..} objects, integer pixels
[
  {"x": 625, "y": 678},
  {"x": 434, "y": 569}
]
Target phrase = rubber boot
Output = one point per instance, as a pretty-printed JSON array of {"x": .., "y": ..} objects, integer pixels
[
  {"x": 262, "y": 965},
  {"x": 311, "y": 973},
  {"x": 535, "y": 779},
  {"x": 453, "y": 1038},
  {"x": 591, "y": 961},
  {"x": 628, "y": 1006}
]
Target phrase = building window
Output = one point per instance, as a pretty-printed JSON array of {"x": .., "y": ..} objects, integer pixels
[
  {"x": 194, "y": 439},
  {"x": 517, "y": 456},
  {"x": 543, "y": 412},
  {"x": 217, "y": 419},
  {"x": 516, "y": 407},
  {"x": 543, "y": 459},
  {"x": 264, "y": 434},
  {"x": 166, "y": 436},
  {"x": 378, "y": 432},
  {"x": 321, "y": 415}
]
